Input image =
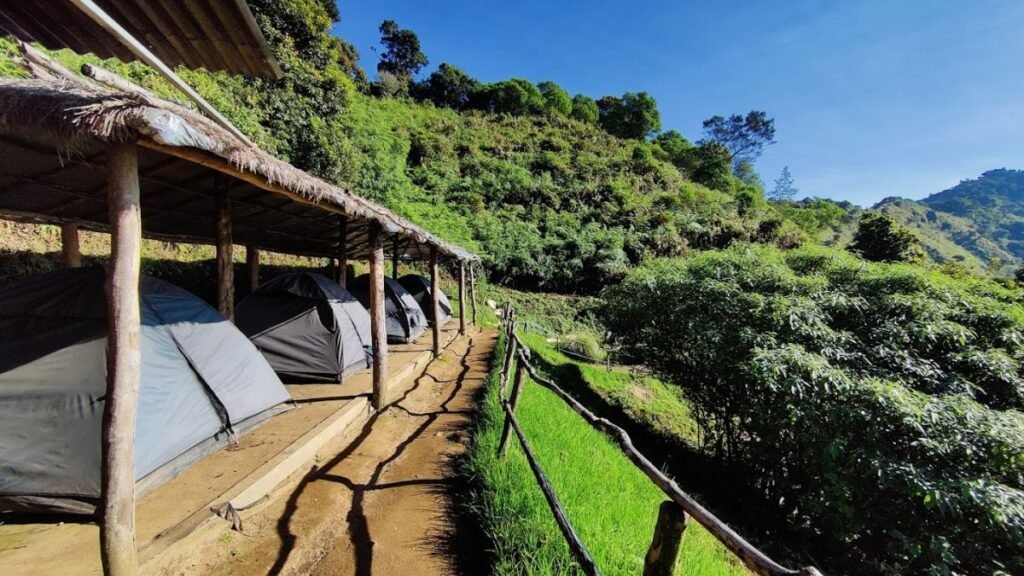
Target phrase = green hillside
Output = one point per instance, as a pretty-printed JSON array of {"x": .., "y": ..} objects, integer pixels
[{"x": 993, "y": 202}]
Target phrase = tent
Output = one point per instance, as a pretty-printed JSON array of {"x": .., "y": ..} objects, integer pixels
[
  {"x": 202, "y": 383},
  {"x": 419, "y": 287},
  {"x": 405, "y": 319},
  {"x": 308, "y": 327}
]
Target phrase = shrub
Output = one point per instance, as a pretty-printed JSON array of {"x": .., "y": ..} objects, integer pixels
[{"x": 878, "y": 404}]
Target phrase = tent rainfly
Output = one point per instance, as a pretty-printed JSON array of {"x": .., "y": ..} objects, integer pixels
[
  {"x": 308, "y": 327},
  {"x": 405, "y": 320},
  {"x": 419, "y": 287},
  {"x": 202, "y": 382}
]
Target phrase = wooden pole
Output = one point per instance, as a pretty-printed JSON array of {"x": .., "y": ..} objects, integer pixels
[
  {"x": 394, "y": 258},
  {"x": 472, "y": 292},
  {"x": 124, "y": 364},
  {"x": 462, "y": 298},
  {"x": 343, "y": 251},
  {"x": 69, "y": 246},
  {"x": 252, "y": 266},
  {"x": 517, "y": 388},
  {"x": 668, "y": 539},
  {"x": 378, "y": 329},
  {"x": 435, "y": 300},
  {"x": 225, "y": 270}
]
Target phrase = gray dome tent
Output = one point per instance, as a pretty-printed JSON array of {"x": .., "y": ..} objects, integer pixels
[
  {"x": 307, "y": 326},
  {"x": 405, "y": 320},
  {"x": 201, "y": 381},
  {"x": 419, "y": 287}
]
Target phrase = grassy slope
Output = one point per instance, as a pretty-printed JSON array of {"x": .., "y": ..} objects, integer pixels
[{"x": 612, "y": 504}]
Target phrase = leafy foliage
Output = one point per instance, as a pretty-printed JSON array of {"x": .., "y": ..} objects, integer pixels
[
  {"x": 744, "y": 136},
  {"x": 556, "y": 99},
  {"x": 584, "y": 109},
  {"x": 784, "y": 188},
  {"x": 879, "y": 238},
  {"x": 402, "y": 56},
  {"x": 878, "y": 405},
  {"x": 448, "y": 87},
  {"x": 633, "y": 116},
  {"x": 994, "y": 203}
]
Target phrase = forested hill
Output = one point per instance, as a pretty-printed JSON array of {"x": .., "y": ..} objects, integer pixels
[
  {"x": 557, "y": 193},
  {"x": 978, "y": 222}
]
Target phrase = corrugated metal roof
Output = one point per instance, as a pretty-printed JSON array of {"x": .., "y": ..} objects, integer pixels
[{"x": 211, "y": 34}]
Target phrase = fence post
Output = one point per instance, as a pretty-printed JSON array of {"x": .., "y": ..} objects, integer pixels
[
  {"x": 668, "y": 539},
  {"x": 517, "y": 388},
  {"x": 510, "y": 350}
]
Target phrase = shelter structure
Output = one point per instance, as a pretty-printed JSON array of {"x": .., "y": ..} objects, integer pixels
[
  {"x": 308, "y": 327},
  {"x": 405, "y": 319},
  {"x": 419, "y": 287},
  {"x": 101, "y": 154},
  {"x": 202, "y": 383}
]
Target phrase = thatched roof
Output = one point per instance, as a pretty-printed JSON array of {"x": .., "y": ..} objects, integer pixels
[
  {"x": 220, "y": 35},
  {"x": 55, "y": 129}
]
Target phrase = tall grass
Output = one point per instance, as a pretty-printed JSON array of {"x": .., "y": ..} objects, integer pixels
[{"x": 612, "y": 505}]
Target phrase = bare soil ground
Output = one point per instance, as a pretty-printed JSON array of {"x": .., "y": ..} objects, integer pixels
[{"x": 382, "y": 501}]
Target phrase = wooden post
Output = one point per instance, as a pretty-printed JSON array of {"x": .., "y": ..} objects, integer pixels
[
  {"x": 394, "y": 258},
  {"x": 435, "y": 300},
  {"x": 69, "y": 246},
  {"x": 462, "y": 298},
  {"x": 343, "y": 251},
  {"x": 252, "y": 266},
  {"x": 472, "y": 292},
  {"x": 378, "y": 328},
  {"x": 517, "y": 388},
  {"x": 668, "y": 539},
  {"x": 124, "y": 364},
  {"x": 225, "y": 264}
]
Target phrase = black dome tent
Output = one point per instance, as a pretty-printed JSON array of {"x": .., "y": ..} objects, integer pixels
[
  {"x": 405, "y": 320},
  {"x": 307, "y": 326},
  {"x": 201, "y": 381},
  {"x": 419, "y": 287}
]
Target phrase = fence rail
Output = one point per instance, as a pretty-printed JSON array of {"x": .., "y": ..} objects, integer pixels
[{"x": 656, "y": 561}]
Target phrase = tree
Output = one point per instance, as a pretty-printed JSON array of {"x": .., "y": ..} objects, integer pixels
[
  {"x": 745, "y": 137},
  {"x": 674, "y": 145},
  {"x": 745, "y": 173},
  {"x": 402, "y": 56},
  {"x": 634, "y": 116},
  {"x": 584, "y": 109},
  {"x": 784, "y": 188},
  {"x": 1019, "y": 275},
  {"x": 712, "y": 167},
  {"x": 880, "y": 239},
  {"x": 517, "y": 97},
  {"x": 556, "y": 99},
  {"x": 448, "y": 87}
]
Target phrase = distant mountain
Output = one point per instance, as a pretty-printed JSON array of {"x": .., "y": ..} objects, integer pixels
[
  {"x": 994, "y": 203},
  {"x": 973, "y": 223}
]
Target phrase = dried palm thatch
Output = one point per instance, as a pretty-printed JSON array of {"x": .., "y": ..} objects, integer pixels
[{"x": 74, "y": 115}]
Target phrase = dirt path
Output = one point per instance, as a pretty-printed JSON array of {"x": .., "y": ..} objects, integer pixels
[{"x": 380, "y": 503}]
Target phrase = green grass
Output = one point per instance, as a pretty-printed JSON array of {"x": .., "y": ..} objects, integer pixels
[{"x": 612, "y": 505}]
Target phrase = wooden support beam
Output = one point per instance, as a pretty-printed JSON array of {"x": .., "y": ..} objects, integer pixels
[
  {"x": 124, "y": 364},
  {"x": 394, "y": 258},
  {"x": 252, "y": 266},
  {"x": 462, "y": 297},
  {"x": 472, "y": 292},
  {"x": 343, "y": 251},
  {"x": 435, "y": 300},
  {"x": 69, "y": 246},
  {"x": 668, "y": 539},
  {"x": 225, "y": 263},
  {"x": 378, "y": 327}
]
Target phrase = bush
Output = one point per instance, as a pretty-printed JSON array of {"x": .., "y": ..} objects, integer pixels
[{"x": 879, "y": 405}]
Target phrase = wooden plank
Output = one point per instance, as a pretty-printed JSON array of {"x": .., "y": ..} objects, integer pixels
[
  {"x": 668, "y": 539},
  {"x": 378, "y": 327},
  {"x": 69, "y": 245},
  {"x": 252, "y": 266},
  {"x": 124, "y": 364},
  {"x": 343, "y": 251},
  {"x": 435, "y": 301},
  {"x": 225, "y": 262}
]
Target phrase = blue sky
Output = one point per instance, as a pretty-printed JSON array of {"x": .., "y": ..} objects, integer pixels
[{"x": 870, "y": 98}]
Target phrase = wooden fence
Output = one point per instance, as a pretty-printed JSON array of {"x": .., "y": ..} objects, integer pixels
[{"x": 672, "y": 514}]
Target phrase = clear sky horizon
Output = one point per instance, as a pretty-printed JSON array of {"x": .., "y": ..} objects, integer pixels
[{"x": 871, "y": 99}]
